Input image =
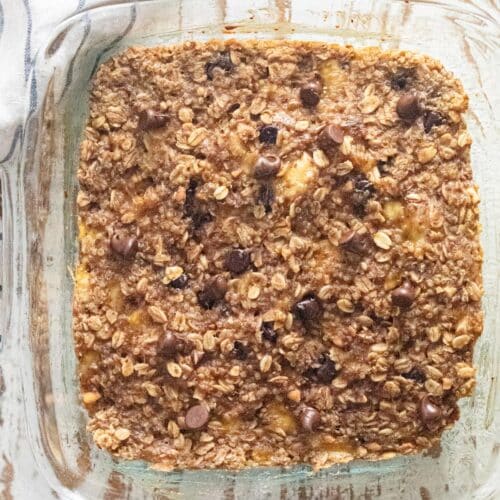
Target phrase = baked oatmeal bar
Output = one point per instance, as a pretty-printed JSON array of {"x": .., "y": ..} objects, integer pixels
[{"x": 279, "y": 254}]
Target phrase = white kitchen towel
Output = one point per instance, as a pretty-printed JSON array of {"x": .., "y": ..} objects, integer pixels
[{"x": 24, "y": 26}]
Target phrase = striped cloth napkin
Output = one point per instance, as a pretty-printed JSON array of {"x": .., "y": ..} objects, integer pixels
[{"x": 24, "y": 27}]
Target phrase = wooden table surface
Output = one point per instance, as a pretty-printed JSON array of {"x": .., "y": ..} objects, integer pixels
[{"x": 19, "y": 476}]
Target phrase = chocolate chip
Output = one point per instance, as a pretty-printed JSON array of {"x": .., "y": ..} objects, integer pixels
[
  {"x": 240, "y": 350},
  {"x": 401, "y": 78},
  {"x": 266, "y": 196},
  {"x": 180, "y": 282},
  {"x": 223, "y": 62},
  {"x": 326, "y": 371},
  {"x": 310, "y": 419},
  {"x": 193, "y": 208},
  {"x": 150, "y": 119},
  {"x": 168, "y": 344},
  {"x": 416, "y": 375},
  {"x": 408, "y": 107},
  {"x": 267, "y": 166},
  {"x": 214, "y": 291},
  {"x": 310, "y": 373},
  {"x": 209, "y": 70},
  {"x": 398, "y": 82},
  {"x": 190, "y": 202},
  {"x": 431, "y": 118},
  {"x": 363, "y": 191},
  {"x": 363, "y": 185},
  {"x": 429, "y": 411},
  {"x": 268, "y": 332},
  {"x": 268, "y": 134},
  {"x": 404, "y": 295},
  {"x": 196, "y": 417},
  {"x": 309, "y": 308},
  {"x": 310, "y": 94},
  {"x": 201, "y": 217},
  {"x": 124, "y": 246},
  {"x": 237, "y": 261},
  {"x": 355, "y": 242},
  {"x": 332, "y": 135}
]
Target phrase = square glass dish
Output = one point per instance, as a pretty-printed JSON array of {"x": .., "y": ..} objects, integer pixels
[{"x": 39, "y": 191}]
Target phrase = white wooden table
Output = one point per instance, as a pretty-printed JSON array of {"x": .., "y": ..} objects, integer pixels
[
  {"x": 19, "y": 477},
  {"x": 23, "y": 26}
]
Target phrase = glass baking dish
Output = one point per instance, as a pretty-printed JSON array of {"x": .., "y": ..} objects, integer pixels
[{"x": 39, "y": 188}]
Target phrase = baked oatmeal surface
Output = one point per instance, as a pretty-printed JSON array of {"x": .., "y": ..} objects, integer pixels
[{"x": 279, "y": 254}]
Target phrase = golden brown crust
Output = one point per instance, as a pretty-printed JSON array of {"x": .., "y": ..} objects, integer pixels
[{"x": 343, "y": 323}]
